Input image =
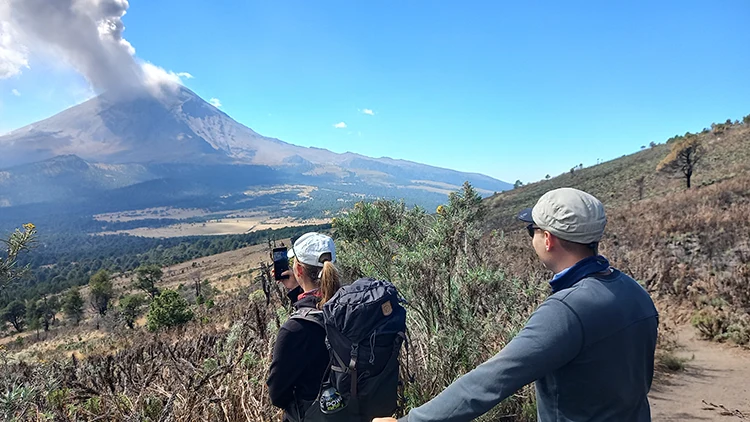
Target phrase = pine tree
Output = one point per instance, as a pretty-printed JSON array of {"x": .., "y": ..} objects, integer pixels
[{"x": 73, "y": 305}]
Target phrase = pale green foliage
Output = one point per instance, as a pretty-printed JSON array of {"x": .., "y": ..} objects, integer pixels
[
  {"x": 18, "y": 241},
  {"x": 718, "y": 324},
  {"x": 455, "y": 296}
]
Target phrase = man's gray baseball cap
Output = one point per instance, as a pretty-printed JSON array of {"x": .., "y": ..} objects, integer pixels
[{"x": 569, "y": 214}]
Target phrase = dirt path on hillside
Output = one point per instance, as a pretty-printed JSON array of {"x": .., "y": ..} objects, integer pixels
[{"x": 715, "y": 385}]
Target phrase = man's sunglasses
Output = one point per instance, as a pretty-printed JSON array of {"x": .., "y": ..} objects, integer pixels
[{"x": 531, "y": 228}]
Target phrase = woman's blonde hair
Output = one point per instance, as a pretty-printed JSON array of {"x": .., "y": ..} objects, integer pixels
[{"x": 328, "y": 278}]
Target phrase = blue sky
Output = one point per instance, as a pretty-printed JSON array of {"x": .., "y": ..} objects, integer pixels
[{"x": 514, "y": 90}]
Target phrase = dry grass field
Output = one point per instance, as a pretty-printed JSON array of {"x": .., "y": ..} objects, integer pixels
[{"x": 218, "y": 227}]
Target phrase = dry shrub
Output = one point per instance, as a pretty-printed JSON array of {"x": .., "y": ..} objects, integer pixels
[
  {"x": 691, "y": 246},
  {"x": 194, "y": 373},
  {"x": 469, "y": 293}
]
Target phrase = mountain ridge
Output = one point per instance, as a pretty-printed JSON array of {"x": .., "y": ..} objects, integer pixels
[
  {"x": 122, "y": 141},
  {"x": 202, "y": 122}
]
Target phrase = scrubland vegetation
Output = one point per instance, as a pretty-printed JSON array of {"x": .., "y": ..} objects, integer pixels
[{"x": 466, "y": 270}]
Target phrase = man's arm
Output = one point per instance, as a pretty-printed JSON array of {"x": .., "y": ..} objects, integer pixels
[{"x": 552, "y": 337}]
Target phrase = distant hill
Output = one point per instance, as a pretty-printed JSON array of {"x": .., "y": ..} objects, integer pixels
[
  {"x": 112, "y": 142},
  {"x": 615, "y": 182}
]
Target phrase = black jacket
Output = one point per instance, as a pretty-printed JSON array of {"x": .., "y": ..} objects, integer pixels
[{"x": 300, "y": 358}]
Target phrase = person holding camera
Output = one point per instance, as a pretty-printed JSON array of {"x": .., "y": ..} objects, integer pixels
[
  {"x": 300, "y": 355},
  {"x": 589, "y": 346}
]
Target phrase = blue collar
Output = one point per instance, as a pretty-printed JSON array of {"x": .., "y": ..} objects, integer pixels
[
  {"x": 561, "y": 273},
  {"x": 579, "y": 271}
]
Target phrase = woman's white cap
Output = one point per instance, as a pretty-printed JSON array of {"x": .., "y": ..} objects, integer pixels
[{"x": 310, "y": 248}]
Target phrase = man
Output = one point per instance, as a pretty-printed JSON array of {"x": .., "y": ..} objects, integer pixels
[{"x": 589, "y": 346}]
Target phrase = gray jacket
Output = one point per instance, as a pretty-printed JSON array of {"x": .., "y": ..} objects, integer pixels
[{"x": 590, "y": 349}]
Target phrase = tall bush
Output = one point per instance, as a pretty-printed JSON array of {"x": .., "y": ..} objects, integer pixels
[{"x": 463, "y": 308}]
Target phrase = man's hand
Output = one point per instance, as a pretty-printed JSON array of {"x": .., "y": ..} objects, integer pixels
[{"x": 384, "y": 420}]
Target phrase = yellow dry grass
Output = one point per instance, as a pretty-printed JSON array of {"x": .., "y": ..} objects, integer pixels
[{"x": 218, "y": 227}]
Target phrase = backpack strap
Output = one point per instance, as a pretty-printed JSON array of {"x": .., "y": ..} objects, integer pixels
[
  {"x": 309, "y": 314},
  {"x": 353, "y": 369}
]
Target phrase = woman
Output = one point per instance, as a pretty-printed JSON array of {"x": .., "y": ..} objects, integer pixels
[{"x": 300, "y": 356}]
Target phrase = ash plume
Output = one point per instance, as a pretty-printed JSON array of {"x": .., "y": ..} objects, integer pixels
[{"x": 88, "y": 36}]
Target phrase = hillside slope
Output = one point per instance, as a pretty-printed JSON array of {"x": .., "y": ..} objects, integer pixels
[
  {"x": 615, "y": 182},
  {"x": 687, "y": 246}
]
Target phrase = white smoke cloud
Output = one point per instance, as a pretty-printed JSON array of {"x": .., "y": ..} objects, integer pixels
[
  {"x": 368, "y": 111},
  {"x": 215, "y": 102},
  {"x": 85, "y": 34},
  {"x": 340, "y": 125},
  {"x": 13, "y": 55},
  {"x": 156, "y": 78}
]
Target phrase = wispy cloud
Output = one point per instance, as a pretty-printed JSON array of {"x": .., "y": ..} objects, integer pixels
[
  {"x": 15, "y": 92},
  {"x": 368, "y": 111},
  {"x": 185, "y": 75},
  {"x": 215, "y": 102},
  {"x": 340, "y": 125}
]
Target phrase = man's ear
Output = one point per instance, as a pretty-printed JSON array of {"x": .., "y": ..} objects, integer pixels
[{"x": 549, "y": 241}]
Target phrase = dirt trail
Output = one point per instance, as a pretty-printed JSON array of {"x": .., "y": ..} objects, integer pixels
[{"x": 715, "y": 385}]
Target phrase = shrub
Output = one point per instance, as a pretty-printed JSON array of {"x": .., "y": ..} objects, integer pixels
[
  {"x": 152, "y": 407},
  {"x": 710, "y": 322},
  {"x": 167, "y": 310},
  {"x": 462, "y": 307},
  {"x": 738, "y": 332},
  {"x": 669, "y": 362},
  {"x": 57, "y": 399}
]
